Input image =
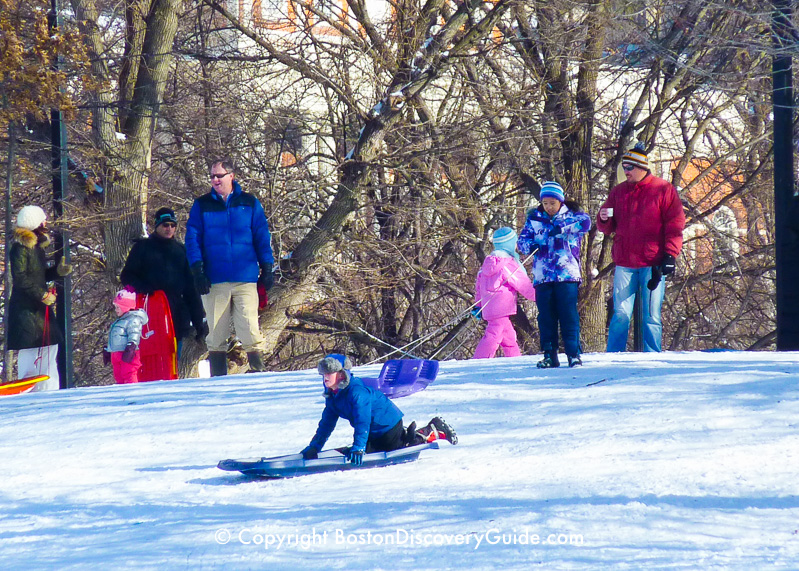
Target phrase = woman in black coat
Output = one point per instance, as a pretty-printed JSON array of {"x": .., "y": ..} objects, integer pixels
[
  {"x": 159, "y": 262},
  {"x": 30, "y": 322},
  {"x": 30, "y": 296}
]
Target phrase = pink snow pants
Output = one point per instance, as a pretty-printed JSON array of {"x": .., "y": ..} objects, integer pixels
[
  {"x": 125, "y": 373},
  {"x": 499, "y": 333}
]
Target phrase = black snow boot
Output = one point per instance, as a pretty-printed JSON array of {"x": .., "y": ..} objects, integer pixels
[
  {"x": 550, "y": 360},
  {"x": 218, "y": 362},
  {"x": 438, "y": 429},
  {"x": 575, "y": 361},
  {"x": 256, "y": 362},
  {"x": 410, "y": 438}
]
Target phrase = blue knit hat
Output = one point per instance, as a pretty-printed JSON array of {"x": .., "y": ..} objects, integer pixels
[
  {"x": 505, "y": 239},
  {"x": 552, "y": 189}
]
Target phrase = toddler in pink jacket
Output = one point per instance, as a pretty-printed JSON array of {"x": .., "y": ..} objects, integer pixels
[{"x": 499, "y": 280}]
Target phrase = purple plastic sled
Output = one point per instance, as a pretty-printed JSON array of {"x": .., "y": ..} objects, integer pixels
[{"x": 402, "y": 377}]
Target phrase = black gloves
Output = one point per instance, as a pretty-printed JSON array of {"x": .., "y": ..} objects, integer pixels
[
  {"x": 129, "y": 353},
  {"x": 201, "y": 281},
  {"x": 665, "y": 268},
  {"x": 106, "y": 357},
  {"x": 654, "y": 281},
  {"x": 202, "y": 331},
  {"x": 267, "y": 277},
  {"x": 667, "y": 265},
  {"x": 309, "y": 453}
]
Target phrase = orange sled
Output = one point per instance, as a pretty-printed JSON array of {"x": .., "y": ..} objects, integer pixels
[{"x": 21, "y": 385}]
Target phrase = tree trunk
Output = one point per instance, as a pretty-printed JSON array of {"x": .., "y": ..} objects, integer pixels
[{"x": 126, "y": 157}]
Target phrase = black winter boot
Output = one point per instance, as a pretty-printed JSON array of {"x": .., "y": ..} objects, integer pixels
[
  {"x": 410, "y": 437},
  {"x": 256, "y": 362},
  {"x": 438, "y": 429},
  {"x": 550, "y": 360},
  {"x": 575, "y": 361},
  {"x": 218, "y": 362}
]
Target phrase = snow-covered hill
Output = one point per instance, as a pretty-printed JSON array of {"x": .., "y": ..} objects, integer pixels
[{"x": 677, "y": 460}]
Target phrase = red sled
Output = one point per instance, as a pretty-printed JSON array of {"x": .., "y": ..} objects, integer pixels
[{"x": 158, "y": 347}]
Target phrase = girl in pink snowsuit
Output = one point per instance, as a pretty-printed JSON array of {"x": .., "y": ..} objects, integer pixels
[
  {"x": 124, "y": 337},
  {"x": 498, "y": 281}
]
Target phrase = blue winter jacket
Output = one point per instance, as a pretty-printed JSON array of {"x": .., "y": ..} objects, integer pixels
[
  {"x": 231, "y": 239},
  {"x": 369, "y": 411},
  {"x": 558, "y": 256}
]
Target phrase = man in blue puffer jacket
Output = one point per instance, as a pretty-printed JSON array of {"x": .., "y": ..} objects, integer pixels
[
  {"x": 230, "y": 252},
  {"x": 377, "y": 422}
]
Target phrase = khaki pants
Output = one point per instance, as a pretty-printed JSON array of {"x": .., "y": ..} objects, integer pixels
[{"x": 239, "y": 301}]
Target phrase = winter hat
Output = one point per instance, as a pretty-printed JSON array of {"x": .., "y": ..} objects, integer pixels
[
  {"x": 30, "y": 217},
  {"x": 334, "y": 363},
  {"x": 505, "y": 239},
  {"x": 125, "y": 300},
  {"x": 551, "y": 189},
  {"x": 165, "y": 215},
  {"x": 636, "y": 157}
]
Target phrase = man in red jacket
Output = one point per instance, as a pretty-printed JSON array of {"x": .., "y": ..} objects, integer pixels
[{"x": 647, "y": 217}]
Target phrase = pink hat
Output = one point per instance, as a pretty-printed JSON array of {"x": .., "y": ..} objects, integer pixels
[{"x": 125, "y": 300}]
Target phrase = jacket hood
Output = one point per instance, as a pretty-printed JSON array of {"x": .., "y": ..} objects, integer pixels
[
  {"x": 494, "y": 263},
  {"x": 140, "y": 313},
  {"x": 30, "y": 239}
]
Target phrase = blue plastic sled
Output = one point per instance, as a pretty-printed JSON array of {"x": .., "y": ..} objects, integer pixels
[
  {"x": 402, "y": 377},
  {"x": 328, "y": 461}
]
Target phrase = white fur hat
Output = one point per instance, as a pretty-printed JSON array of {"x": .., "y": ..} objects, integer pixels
[{"x": 30, "y": 217}]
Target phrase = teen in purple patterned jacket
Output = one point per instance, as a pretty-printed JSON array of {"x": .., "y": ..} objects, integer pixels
[{"x": 556, "y": 227}]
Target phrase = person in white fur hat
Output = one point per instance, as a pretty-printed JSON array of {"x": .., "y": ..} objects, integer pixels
[{"x": 30, "y": 327}]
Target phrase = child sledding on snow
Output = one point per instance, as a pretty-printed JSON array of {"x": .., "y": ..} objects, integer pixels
[{"x": 377, "y": 422}]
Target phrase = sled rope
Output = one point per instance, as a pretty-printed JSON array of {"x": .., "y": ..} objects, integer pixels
[
  {"x": 483, "y": 307},
  {"x": 45, "y": 343},
  {"x": 386, "y": 344}
]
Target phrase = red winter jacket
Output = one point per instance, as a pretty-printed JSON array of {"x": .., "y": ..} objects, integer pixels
[{"x": 648, "y": 220}]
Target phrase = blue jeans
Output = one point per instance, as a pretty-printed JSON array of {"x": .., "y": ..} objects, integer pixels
[
  {"x": 557, "y": 302},
  {"x": 627, "y": 283}
]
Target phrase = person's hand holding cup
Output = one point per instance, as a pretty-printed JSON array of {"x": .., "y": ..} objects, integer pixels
[{"x": 605, "y": 214}]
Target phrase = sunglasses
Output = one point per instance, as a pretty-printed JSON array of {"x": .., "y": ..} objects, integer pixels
[{"x": 219, "y": 176}]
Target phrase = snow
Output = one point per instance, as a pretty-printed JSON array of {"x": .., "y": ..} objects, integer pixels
[{"x": 673, "y": 460}]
